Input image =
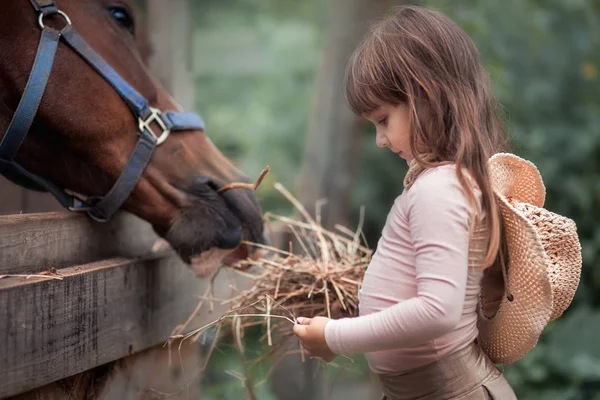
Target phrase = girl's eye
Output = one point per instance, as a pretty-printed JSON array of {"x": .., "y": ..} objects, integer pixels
[{"x": 383, "y": 121}]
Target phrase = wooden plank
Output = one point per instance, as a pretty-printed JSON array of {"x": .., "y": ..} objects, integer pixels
[
  {"x": 100, "y": 312},
  {"x": 149, "y": 374},
  {"x": 35, "y": 242}
]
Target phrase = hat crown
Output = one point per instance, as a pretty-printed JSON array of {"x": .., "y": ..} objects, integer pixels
[{"x": 558, "y": 235}]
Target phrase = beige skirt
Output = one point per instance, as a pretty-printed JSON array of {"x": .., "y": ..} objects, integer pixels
[{"x": 467, "y": 374}]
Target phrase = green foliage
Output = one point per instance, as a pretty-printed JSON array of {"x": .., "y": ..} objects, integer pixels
[
  {"x": 544, "y": 61},
  {"x": 224, "y": 378},
  {"x": 260, "y": 117},
  {"x": 566, "y": 364}
]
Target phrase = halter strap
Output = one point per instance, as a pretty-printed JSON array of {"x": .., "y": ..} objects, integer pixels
[
  {"x": 45, "y": 7},
  {"x": 98, "y": 208},
  {"x": 134, "y": 100},
  {"x": 32, "y": 95}
]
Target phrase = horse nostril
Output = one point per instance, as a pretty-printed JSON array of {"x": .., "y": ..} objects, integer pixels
[
  {"x": 228, "y": 238},
  {"x": 203, "y": 184},
  {"x": 202, "y": 180}
]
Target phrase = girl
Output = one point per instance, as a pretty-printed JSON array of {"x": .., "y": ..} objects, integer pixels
[{"x": 417, "y": 77}]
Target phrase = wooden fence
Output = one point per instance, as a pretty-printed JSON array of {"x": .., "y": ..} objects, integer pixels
[{"x": 117, "y": 297}]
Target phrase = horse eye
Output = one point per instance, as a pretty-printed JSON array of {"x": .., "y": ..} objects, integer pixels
[{"x": 123, "y": 17}]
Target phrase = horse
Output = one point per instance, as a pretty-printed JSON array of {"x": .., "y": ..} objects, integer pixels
[{"x": 82, "y": 117}]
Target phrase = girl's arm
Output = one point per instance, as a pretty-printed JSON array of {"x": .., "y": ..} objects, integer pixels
[{"x": 438, "y": 216}]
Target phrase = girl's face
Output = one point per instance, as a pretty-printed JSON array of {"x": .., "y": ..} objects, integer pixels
[{"x": 393, "y": 129}]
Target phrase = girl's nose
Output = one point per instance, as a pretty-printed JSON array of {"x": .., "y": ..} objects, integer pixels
[{"x": 381, "y": 141}]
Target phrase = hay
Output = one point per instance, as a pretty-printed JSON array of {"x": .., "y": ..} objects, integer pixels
[
  {"x": 323, "y": 280},
  {"x": 52, "y": 273},
  {"x": 329, "y": 271},
  {"x": 251, "y": 186}
]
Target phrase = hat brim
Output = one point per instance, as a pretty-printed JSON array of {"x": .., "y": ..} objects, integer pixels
[
  {"x": 517, "y": 325},
  {"x": 516, "y": 178}
]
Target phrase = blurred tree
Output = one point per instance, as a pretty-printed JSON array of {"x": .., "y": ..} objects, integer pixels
[
  {"x": 331, "y": 158},
  {"x": 170, "y": 55},
  {"x": 333, "y": 143}
]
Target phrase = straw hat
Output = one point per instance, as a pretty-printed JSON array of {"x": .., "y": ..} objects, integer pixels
[{"x": 543, "y": 268}]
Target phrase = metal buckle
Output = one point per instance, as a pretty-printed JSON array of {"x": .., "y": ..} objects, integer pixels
[
  {"x": 65, "y": 16},
  {"x": 88, "y": 206},
  {"x": 155, "y": 116},
  {"x": 82, "y": 206}
]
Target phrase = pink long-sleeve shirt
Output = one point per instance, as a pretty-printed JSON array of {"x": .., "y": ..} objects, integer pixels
[{"x": 419, "y": 295}]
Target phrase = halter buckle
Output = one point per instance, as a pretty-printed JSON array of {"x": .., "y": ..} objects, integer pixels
[
  {"x": 156, "y": 117},
  {"x": 79, "y": 204},
  {"x": 59, "y": 12}
]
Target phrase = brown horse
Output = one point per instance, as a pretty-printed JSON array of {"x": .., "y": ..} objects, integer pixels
[{"x": 83, "y": 132}]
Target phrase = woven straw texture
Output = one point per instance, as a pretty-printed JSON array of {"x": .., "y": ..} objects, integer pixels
[
  {"x": 517, "y": 325},
  {"x": 544, "y": 262},
  {"x": 559, "y": 239},
  {"x": 515, "y": 178}
]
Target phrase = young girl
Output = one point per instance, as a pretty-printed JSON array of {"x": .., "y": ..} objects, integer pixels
[{"x": 417, "y": 77}]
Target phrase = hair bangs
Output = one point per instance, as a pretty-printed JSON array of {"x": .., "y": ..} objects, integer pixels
[{"x": 369, "y": 82}]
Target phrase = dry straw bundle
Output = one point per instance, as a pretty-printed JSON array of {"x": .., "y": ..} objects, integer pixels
[{"x": 323, "y": 279}]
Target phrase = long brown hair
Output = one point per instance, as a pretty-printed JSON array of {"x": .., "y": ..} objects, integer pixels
[{"x": 421, "y": 58}]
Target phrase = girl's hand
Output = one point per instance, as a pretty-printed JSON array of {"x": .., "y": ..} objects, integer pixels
[{"x": 311, "y": 332}]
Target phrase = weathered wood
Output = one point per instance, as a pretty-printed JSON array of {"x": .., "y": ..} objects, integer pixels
[
  {"x": 100, "y": 312},
  {"x": 148, "y": 375},
  {"x": 34, "y": 242}
]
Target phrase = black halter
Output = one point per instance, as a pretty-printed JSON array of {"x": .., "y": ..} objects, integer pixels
[{"x": 98, "y": 208}]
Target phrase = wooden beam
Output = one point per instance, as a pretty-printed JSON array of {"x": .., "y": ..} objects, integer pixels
[
  {"x": 99, "y": 312},
  {"x": 35, "y": 242}
]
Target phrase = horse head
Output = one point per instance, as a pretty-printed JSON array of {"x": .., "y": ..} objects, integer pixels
[{"x": 84, "y": 134}]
